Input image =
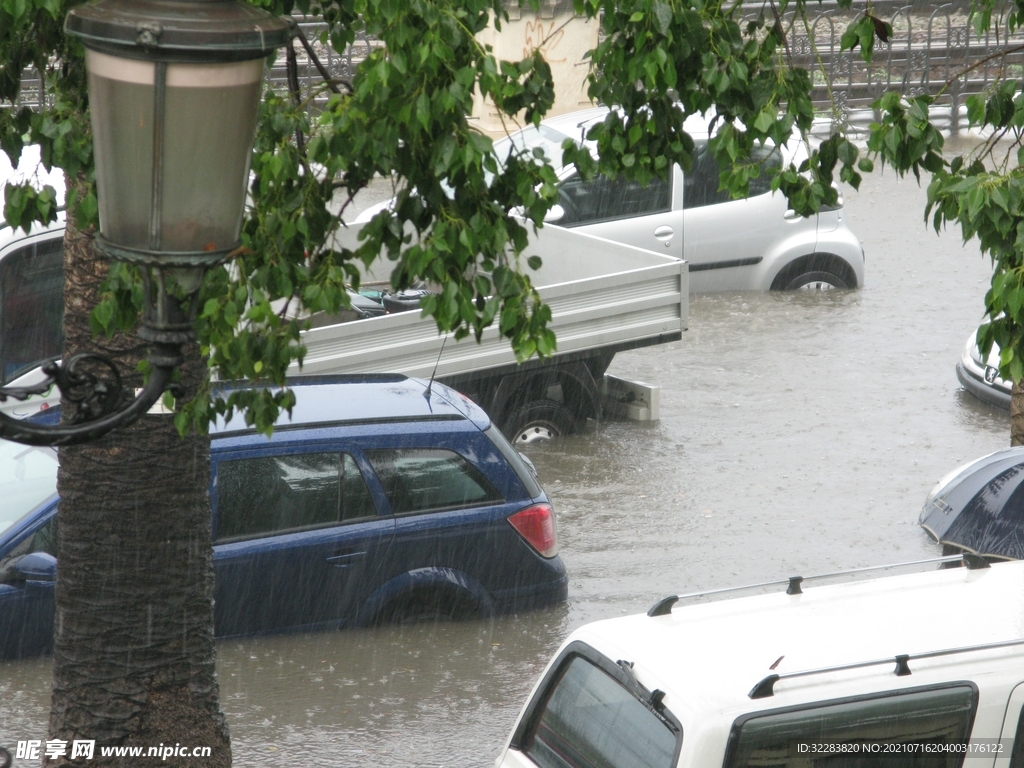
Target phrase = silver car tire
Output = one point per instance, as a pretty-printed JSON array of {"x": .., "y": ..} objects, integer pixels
[{"x": 815, "y": 281}]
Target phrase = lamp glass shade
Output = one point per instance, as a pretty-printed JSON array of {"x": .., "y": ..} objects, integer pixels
[{"x": 209, "y": 123}]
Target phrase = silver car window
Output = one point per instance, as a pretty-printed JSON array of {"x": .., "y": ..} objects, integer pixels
[
  {"x": 701, "y": 184},
  {"x": 604, "y": 199}
]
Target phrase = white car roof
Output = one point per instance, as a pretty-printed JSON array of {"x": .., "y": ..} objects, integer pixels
[{"x": 708, "y": 657}]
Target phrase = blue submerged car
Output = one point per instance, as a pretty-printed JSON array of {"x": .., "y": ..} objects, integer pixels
[{"x": 379, "y": 500}]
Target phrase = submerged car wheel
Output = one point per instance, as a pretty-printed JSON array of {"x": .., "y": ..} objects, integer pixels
[
  {"x": 539, "y": 420},
  {"x": 816, "y": 281},
  {"x": 428, "y": 605},
  {"x": 817, "y": 272}
]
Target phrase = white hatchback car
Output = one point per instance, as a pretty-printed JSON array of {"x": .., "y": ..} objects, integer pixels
[
  {"x": 731, "y": 245},
  {"x": 923, "y": 669}
]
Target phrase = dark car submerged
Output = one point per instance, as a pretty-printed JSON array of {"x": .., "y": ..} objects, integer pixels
[{"x": 378, "y": 500}]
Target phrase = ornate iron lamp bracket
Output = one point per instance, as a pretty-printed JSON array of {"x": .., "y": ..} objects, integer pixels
[{"x": 91, "y": 383}]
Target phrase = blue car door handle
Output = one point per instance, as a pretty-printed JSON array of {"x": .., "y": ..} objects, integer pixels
[{"x": 345, "y": 559}]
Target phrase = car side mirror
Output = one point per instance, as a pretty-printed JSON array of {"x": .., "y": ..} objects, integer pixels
[
  {"x": 554, "y": 215},
  {"x": 37, "y": 566}
]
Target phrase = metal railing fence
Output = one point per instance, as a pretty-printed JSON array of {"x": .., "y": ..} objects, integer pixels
[{"x": 932, "y": 50}]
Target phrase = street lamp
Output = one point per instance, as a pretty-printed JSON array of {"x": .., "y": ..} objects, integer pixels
[{"x": 174, "y": 87}]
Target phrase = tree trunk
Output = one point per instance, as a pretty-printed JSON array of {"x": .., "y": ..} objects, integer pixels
[
  {"x": 133, "y": 649},
  {"x": 1017, "y": 415}
]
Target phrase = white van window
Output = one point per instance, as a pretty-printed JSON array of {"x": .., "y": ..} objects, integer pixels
[
  {"x": 591, "y": 721},
  {"x": 31, "y": 306},
  {"x": 893, "y": 730}
]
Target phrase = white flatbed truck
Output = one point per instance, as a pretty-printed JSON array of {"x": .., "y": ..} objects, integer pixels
[{"x": 605, "y": 297}]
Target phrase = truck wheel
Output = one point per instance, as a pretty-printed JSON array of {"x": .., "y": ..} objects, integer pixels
[{"x": 539, "y": 420}]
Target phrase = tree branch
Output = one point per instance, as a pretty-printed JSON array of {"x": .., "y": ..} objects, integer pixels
[{"x": 331, "y": 82}]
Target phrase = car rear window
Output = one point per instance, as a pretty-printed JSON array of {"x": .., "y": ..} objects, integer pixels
[
  {"x": 270, "y": 494},
  {"x": 889, "y": 731},
  {"x": 591, "y": 721},
  {"x": 427, "y": 479}
]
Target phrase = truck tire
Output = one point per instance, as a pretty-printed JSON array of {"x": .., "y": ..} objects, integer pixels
[{"x": 539, "y": 420}]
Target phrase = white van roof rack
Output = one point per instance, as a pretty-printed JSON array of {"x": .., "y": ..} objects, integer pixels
[
  {"x": 766, "y": 687},
  {"x": 793, "y": 584}
]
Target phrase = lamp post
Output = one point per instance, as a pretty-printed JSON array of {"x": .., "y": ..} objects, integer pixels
[{"x": 174, "y": 87}]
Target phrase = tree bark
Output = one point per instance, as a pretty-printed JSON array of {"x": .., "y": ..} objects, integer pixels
[
  {"x": 1017, "y": 415},
  {"x": 133, "y": 648}
]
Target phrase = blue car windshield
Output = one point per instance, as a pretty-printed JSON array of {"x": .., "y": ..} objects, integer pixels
[{"x": 28, "y": 477}]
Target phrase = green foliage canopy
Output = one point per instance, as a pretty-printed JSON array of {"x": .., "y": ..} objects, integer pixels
[{"x": 404, "y": 116}]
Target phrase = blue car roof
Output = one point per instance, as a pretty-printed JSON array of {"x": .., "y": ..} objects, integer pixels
[{"x": 322, "y": 400}]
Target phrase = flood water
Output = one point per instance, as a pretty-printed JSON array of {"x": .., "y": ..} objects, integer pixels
[{"x": 799, "y": 433}]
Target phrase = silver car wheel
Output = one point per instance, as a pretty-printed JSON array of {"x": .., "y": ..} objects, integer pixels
[{"x": 817, "y": 285}]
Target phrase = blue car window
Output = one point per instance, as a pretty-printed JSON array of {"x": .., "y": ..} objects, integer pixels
[
  {"x": 272, "y": 494},
  {"x": 356, "y": 501},
  {"x": 425, "y": 479}
]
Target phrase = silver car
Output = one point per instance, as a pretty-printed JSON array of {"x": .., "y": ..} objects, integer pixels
[
  {"x": 980, "y": 375},
  {"x": 752, "y": 244}
]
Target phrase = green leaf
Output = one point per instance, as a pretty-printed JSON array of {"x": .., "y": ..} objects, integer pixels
[
  {"x": 663, "y": 17},
  {"x": 765, "y": 120}
]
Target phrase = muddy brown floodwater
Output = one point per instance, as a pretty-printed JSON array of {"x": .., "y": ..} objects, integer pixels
[{"x": 799, "y": 433}]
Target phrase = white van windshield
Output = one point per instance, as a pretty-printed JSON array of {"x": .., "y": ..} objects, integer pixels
[{"x": 28, "y": 477}]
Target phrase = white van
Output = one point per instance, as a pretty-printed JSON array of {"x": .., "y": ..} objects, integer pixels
[
  {"x": 31, "y": 282},
  {"x": 925, "y": 669}
]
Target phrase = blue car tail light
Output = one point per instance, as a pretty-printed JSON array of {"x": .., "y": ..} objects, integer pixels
[{"x": 537, "y": 526}]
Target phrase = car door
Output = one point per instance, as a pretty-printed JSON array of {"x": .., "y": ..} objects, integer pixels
[
  {"x": 298, "y": 538},
  {"x": 27, "y": 604},
  {"x": 649, "y": 217},
  {"x": 725, "y": 238}
]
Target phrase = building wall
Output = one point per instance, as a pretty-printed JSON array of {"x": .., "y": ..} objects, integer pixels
[{"x": 562, "y": 37}]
